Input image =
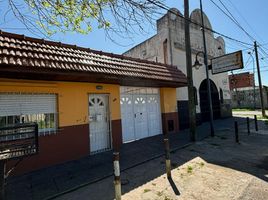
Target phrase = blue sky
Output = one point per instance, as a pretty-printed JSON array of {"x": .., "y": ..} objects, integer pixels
[{"x": 252, "y": 16}]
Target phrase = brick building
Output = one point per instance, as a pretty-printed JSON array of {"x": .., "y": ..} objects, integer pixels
[
  {"x": 244, "y": 93},
  {"x": 242, "y": 80}
]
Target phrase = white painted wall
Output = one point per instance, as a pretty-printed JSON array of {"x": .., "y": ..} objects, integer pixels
[{"x": 171, "y": 27}]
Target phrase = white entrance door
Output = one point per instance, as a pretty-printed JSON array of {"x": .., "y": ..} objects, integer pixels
[
  {"x": 140, "y": 116},
  {"x": 127, "y": 113},
  {"x": 99, "y": 133},
  {"x": 153, "y": 112}
]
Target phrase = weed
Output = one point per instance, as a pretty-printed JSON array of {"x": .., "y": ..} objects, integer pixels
[
  {"x": 154, "y": 184},
  {"x": 167, "y": 198},
  {"x": 159, "y": 194},
  {"x": 146, "y": 190},
  {"x": 202, "y": 164},
  {"x": 189, "y": 169}
]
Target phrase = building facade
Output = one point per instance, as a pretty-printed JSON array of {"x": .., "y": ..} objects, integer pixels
[
  {"x": 84, "y": 101},
  {"x": 244, "y": 93},
  {"x": 241, "y": 80},
  {"x": 168, "y": 46}
]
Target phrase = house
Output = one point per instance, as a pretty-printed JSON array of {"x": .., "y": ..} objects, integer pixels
[
  {"x": 244, "y": 93},
  {"x": 84, "y": 101},
  {"x": 168, "y": 46}
]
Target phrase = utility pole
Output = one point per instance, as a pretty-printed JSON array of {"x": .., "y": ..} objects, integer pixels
[
  {"x": 254, "y": 89},
  {"x": 207, "y": 75},
  {"x": 191, "y": 101},
  {"x": 259, "y": 78}
]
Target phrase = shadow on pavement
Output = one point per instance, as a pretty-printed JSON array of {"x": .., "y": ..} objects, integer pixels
[
  {"x": 174, "y": 187},
  {"x": 94, "y": 169}
]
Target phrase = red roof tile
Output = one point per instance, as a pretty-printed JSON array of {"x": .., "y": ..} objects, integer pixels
[{"x": 20, "y": 51}]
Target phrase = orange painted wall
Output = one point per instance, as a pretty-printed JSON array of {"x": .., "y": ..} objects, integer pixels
[
  {"x": 72, "y": 97},
  {"x": 168, "y": 100},
  {"x": 72, "y": 139}
]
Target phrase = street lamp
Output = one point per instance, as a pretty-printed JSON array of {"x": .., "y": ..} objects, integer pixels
[
  {"x": 254, "y": 91},
  {"x": 197, "y": 65}
]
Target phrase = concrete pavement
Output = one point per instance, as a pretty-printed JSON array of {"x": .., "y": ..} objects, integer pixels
[
  {"x": 93, "y": 169},
  {"x": 215, "y": 168}
]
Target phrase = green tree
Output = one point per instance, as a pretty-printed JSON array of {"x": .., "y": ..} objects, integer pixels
[{"x": 51, "y": 16}]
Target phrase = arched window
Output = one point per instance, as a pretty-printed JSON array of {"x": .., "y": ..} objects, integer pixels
[{"x": 221, "y": 95}]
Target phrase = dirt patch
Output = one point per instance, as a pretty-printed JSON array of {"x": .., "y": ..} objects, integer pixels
[{"x": 198, "y": 179}]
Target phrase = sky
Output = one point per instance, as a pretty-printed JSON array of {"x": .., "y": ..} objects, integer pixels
[{"x": 251, "y": 15}]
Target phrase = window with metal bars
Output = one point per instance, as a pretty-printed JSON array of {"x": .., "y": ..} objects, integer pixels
[{"x": 24, "y": 108}]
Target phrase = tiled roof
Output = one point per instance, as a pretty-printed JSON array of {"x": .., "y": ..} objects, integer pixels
[{"x": 20, "y": 51}]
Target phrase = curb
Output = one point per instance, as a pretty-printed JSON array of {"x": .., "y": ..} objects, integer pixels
[{"x": 111, "y": 174}]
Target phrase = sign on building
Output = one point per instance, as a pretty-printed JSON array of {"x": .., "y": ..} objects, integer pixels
[{"x": 227, "y": 62}]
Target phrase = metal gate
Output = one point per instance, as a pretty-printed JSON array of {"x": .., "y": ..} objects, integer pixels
[{"x": 99, "y": 123}]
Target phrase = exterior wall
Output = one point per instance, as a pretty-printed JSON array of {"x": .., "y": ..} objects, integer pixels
[
  {"x": 148, "y": 51},
  {"x": 169, "y": 110},
  {"x": 171, "y": 27},
  {"x": 241, "y": 80},
  {"x": 244, "y": 98},
  {"x": 71, "y": 141}
]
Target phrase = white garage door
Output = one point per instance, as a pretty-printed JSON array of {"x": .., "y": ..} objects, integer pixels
[{"x": 140, "y": 112}]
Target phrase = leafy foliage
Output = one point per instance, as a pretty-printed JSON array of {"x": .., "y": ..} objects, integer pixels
[{"x": 119, "y": 16}]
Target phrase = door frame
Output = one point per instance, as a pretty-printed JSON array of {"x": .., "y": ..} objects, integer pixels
[{"x": 109, "y": 119}]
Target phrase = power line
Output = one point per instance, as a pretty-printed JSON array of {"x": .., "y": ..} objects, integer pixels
[
  {"x": 237, "y": 10},
  {"x": 265, "y": 44},
  {"x": 232, "y": 18},
  {"x": 162, "y": 6},
  {"x": 237, "y": 46},
  {"x": 236, "y": 22},
  {"x": 263, "y": 52}
]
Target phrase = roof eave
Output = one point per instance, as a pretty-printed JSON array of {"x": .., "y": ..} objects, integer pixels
[{"x": 32, "y": 73}]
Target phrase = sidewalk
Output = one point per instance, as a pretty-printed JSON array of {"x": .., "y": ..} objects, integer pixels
[
  {"x": 215, "y": 168},
  {"x": 57, "y": 179}
]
